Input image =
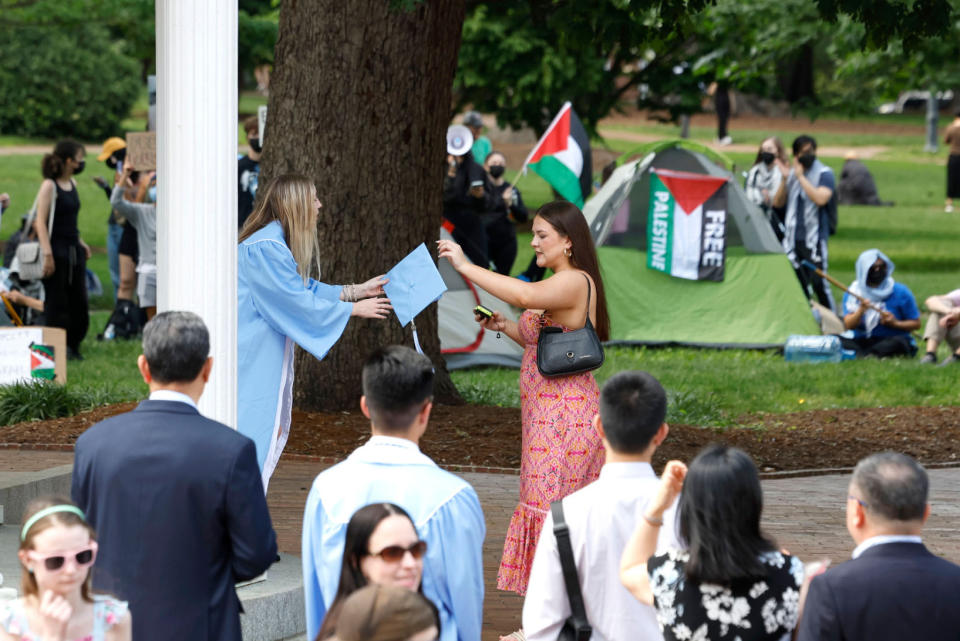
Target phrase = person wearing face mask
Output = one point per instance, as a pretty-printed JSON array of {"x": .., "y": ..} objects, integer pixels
[
  {"x": 506, "y": 210},
  {"x": 763, "y": 182},
  {"x": 880, "y": 311},
  {"x": 465, "y": 197},
  {"x": 807, "y": 192},
  {"x": 64, "y": 252},
  {"x": 248, "y": 171}
]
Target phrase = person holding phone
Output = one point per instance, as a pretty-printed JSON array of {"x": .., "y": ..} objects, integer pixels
[
  {"x": 561, "y": 450},
  {"x": 465, "y": 198}
]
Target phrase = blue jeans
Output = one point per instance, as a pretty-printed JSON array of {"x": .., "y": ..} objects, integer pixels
[{"x": 114, "y": 232}]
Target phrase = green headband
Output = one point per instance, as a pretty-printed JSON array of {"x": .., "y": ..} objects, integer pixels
[{"x": 47, "y": 511}]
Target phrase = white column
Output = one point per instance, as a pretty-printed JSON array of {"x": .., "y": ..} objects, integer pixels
[{"x": 197, "y": 180}]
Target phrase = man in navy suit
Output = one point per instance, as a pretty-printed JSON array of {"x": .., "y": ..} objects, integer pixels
[
  {"x": 176, "y": 498},
  {"x": 893, "y": 588}
]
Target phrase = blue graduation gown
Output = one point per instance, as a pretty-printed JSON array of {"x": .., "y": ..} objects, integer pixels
[
  {"x": 444, "y": 508},
  {"x": 275, "y": 311}
]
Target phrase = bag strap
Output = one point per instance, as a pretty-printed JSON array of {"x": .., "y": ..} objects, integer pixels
[
  {"x": 586, "y": 314},
  {"x": 32, "y": 217},
  {"x": 569, "y": 567}
]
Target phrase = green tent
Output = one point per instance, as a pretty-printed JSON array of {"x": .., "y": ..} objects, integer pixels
[{"x": 758, "y": 304}]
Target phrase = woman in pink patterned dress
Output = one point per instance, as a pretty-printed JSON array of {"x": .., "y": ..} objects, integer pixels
[{"x": 561, "y": 451}]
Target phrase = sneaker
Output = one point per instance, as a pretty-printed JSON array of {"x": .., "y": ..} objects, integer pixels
[
  {"x": 726, "y": 140},
  {"x": 950, "y": 360},
  {"x": 948, "y": 209},
  {"x": 929, "y": 358}
]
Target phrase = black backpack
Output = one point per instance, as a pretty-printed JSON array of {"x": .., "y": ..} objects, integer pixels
[{"x": 124, "y": 322}]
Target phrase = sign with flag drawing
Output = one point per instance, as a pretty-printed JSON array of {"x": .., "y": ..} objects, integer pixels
[
  {"x": 562, "y": 157},
  {"x": 687, "y": 224}
]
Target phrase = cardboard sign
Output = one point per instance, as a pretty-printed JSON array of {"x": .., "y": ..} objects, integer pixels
[
  {"x": 30, "y": 353},
  {"x": 261, "y": 121},
  {"x": 142, "y": 150}
]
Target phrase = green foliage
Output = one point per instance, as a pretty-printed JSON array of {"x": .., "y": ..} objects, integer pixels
[
  {"x": 37, "y": 401},
  {"x": 523, "y": 60},
  {"x": 64, "y": 82},
  {"x": 256, "y": 38}
]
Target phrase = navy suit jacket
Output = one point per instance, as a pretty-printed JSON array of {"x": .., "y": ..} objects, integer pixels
[
  {"x": 178, "y": 506},
  {"x": 893, "y": 591}
]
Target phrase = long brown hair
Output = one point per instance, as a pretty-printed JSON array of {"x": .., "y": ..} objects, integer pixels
[
  {"x": 569, "y": 222},
  {"x": 781, "y": 150},
  {"x": 289, "y": 199},
  {"x": 356, "y": 545},
  {"x": 28, "y": 582}
]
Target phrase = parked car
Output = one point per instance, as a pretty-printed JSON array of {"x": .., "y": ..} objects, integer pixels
[{"x": 915, "y": 101}]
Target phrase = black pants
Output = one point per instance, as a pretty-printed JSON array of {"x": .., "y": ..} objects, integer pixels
[
  {"x": 502, "y": 244},
  {"x": 880, "y": 346},
  {"x": 468, "y": 231},
  {"x": 721, "y": 102},
  {"x": 65, "y": 303}
]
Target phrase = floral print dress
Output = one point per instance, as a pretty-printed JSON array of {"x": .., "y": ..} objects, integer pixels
[
  {"x": 758, "y": 609},
  {"x": 561, "y": 452},
  {"x": 107, "y": 611}
]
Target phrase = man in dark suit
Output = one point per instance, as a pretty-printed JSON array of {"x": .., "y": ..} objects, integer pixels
[
  {"x": 176, "y": 498},
  {"x": 893, "y": 588}
]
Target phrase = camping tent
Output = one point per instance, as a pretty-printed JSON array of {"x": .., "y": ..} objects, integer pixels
[
  {"x": 758, "y": 304},
  {"x": 463, "y": 342}
]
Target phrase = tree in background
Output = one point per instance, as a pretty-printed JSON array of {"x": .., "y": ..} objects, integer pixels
[
  {"x": 521, "y": 60},
  {"x": 360, "y": 101},
  {"x": 59, "y": 81}
]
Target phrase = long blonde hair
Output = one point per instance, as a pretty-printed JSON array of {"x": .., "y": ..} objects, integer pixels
[{"x": 289, "y": 199}]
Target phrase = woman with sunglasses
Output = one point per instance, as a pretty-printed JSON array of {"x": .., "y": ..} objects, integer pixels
[
  {"x": 57, "y": 550},
  {"x": 381, "y": 547}
]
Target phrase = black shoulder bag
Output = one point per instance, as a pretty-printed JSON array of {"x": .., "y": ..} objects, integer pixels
[
  {"x": 562, "y": 353},
  {"x": 576, "y": 627}
]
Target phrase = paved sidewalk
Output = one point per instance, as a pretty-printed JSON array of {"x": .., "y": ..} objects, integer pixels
[{"x": 805, "y": 515}]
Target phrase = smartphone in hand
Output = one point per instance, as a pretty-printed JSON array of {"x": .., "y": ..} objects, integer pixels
[{"x": 480, "y": 310}]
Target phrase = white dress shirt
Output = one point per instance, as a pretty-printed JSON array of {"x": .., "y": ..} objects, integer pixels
[
  {"x": 881, "y": 540},
  {"x": 601, "y": 518},
  {"x": 170, "y": 395}
]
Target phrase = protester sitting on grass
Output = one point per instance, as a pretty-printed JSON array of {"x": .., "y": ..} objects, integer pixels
[
  {"x": 731, "y": 581},
  {"x": 57, "y": 551},
  {"x": 387, "y": 613},
  {"x": 382, "y": 547},
  {"x": 943, "y": 325},
  {"x": 143, "y": 217},
  {"x": 880, "y": 311}
]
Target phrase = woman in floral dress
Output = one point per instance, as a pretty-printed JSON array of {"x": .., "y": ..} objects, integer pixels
[
  {"x": 561, "y": 451},
  {"x": 731, "y": 581}
]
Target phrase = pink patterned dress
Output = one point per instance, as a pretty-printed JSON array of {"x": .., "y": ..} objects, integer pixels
[{"x": 561, "y": 452}]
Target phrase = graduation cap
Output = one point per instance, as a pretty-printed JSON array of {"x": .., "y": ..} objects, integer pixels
[{"x": 414, "y": 284}]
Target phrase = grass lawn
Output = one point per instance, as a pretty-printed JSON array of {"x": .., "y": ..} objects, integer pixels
[
  {"x": 714, "y": 387},
  {"x": 705, "y": 386}
]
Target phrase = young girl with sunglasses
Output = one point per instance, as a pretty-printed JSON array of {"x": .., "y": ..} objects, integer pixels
[
  {"x": 382, "y": 547},
  {"x": 57, "y": 551}
]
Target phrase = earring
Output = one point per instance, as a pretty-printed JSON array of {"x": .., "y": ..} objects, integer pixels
[{"x": 567, "y": 252}]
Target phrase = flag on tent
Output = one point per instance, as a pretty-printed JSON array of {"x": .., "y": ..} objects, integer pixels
[
  {"x": 562, "y": 157},
  {"x": 687, "y": 224}
]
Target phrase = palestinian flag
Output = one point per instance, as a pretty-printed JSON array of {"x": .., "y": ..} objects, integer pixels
[
  {"x": 687, "y": 224},
  {"x": 562, "y": 157},
  {"x": 41, "y": 362}
]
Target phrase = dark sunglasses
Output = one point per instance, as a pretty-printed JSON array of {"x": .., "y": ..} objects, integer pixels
[
  {"x": 395, "y": 553},
  {"x": 53, "y": 563}
]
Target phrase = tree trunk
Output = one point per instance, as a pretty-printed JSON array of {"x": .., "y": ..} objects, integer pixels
[
  {"x": 933, "y": 121},
  {"x": 359, "y": 101}
]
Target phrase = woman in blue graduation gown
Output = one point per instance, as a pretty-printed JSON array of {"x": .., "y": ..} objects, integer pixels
[{"x": 279, "y": 305}]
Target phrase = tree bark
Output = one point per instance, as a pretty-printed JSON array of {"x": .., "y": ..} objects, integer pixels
[{"x": 359, "y": 101}]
